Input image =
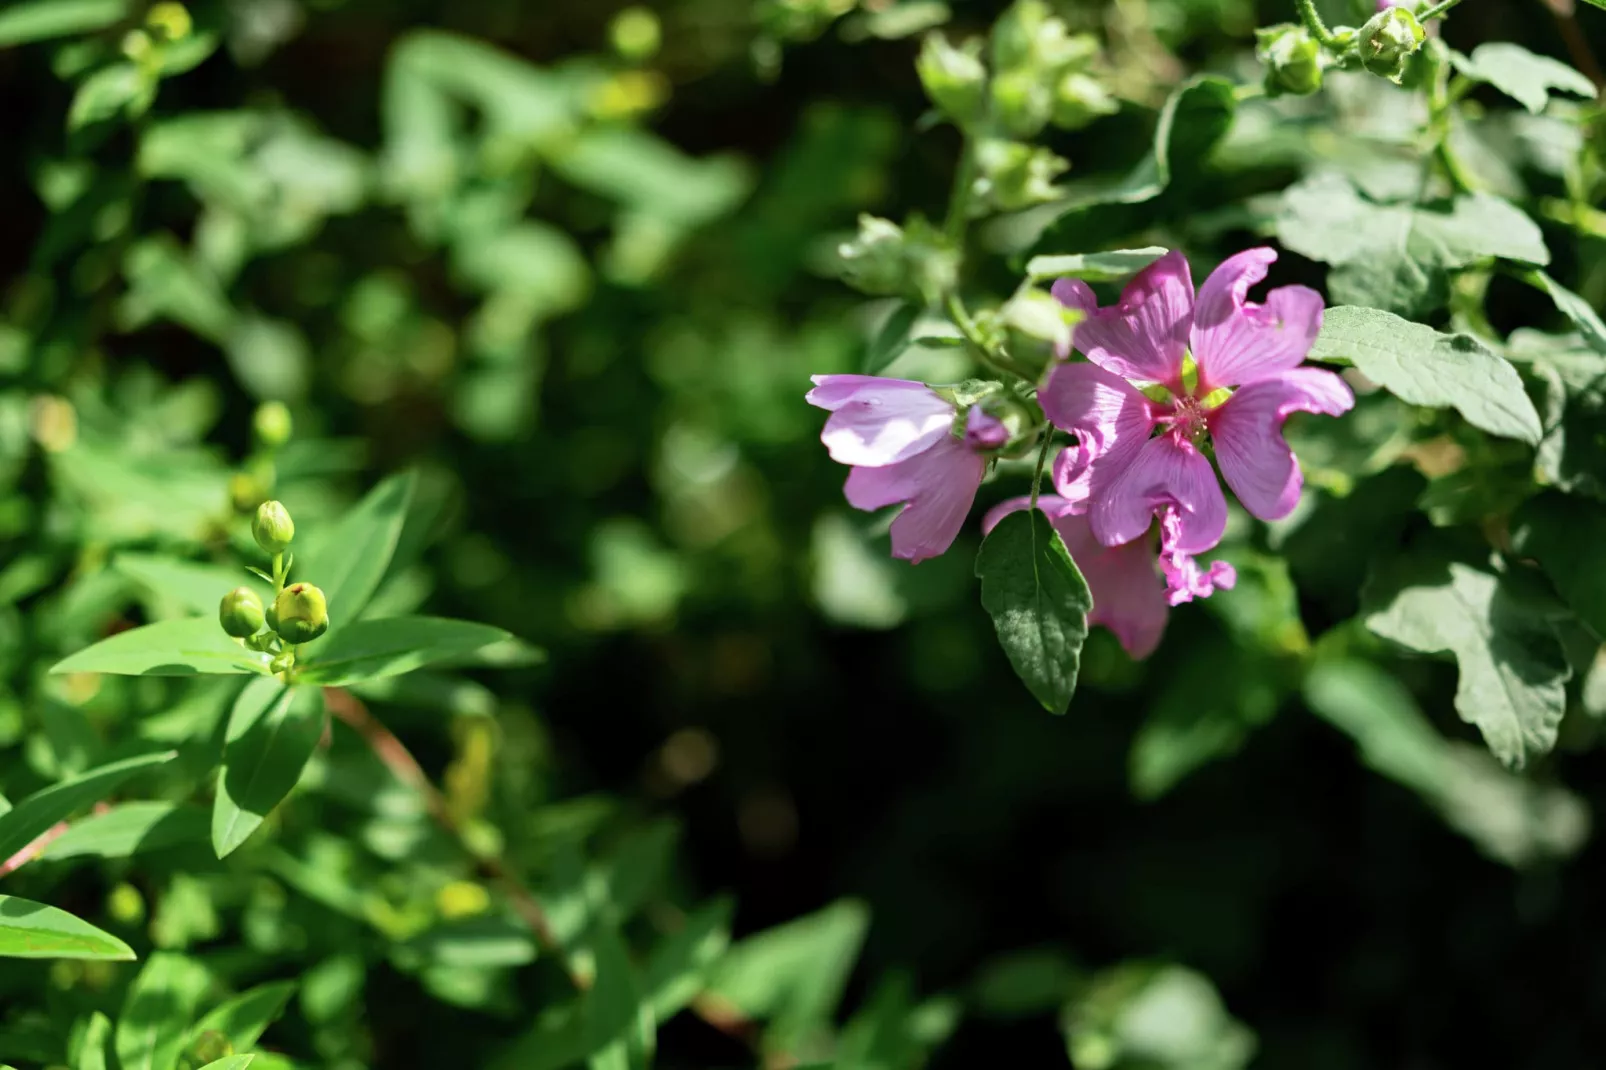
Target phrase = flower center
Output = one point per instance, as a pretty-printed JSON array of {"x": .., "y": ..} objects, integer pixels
[{"x": 1186, "y": 418}]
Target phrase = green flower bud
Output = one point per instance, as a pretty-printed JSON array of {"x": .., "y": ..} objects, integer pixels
[
  {"x": 1016, "y": 32},
  {"x": 635, "y": 34},
  {"x": 874, "y": 261},
  {"x": 1018, "y": 176},
  {"x": 1022, "y": 103},
  {"x": 272, "y": 424},
  {"x": 273, "y": 528},
  {"x": 241, "y": 613},
  {"x": 282, "y": 662},
  {"x": 271, "y": 615},
  {"x": 301, "y": 613},
  {"x": 1388, "y": 41},
  {"x": 954, "y": 78},
  {"x": 1292, "y": 57},
  {"x": 1079, "y": 99}
]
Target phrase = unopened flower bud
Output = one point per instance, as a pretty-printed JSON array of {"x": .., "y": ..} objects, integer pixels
[
  {"x": 272, "y": 424},
  {"x": 873, "y": 262},
  {"x": 301, "y": 613},
  {"x": 635, "y": 34},
  {"x": 1015, "y": 33},
  {"x": 1018, "y": 176},
  {"x": 1079, "y": 99},
  {"x": 1388, "y": 41},
  {"x": 272, "y": 527},
  {"x": 241, "y": 613},
  {"x": 954, "y": 78},
  {"x": 1292, "y": 57},
  {"x": 1022, "y": 102},
  {"x": 1037, "y": 314}
]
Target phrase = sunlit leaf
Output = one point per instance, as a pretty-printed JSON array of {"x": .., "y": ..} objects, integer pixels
[
  {"x": 128, "y": 829},
  {"x": 157, "y": 1011},
  {"x": 30, "y": 930},
  {"x": 272, "y": 733},
  {"x": 188, "y": 647},
  {"x": 38, "y": 812},
  {"x": 350, "y": 558},
  {"x": 367, "y": 649}
]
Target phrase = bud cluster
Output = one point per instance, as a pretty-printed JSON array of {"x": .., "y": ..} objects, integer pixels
[
  {"x": 888, "y": 260},
  {"x": 299, "y": 612},
  {"x": 1294, "y": 56},
  {"x": 1041, "y": 75}
]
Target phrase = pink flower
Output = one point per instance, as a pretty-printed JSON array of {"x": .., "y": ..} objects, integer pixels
[
  {"x": 900, "y": 438},
  {"x": 1121, "y": 472},
  {"x": 1128, "y": 595}
]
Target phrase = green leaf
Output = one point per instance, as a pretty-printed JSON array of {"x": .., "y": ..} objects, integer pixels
[
  {"x": 1512, "y": 669},
  {"x": 351, "y": 557},
  {"x": 230, "y": 1062},
  {"x": 1112, "y": 266},
  {"x": 32, "y": 816},
  {"x": 619, "y": 1027},
  {"x": 1159, "y": 1017},
  {"x": 1421, "y": 366},
  {"x": 88, "y": 1051},
  {"x": 679, "y": 966},
  {"x": 891, "y": 339},
  {"x": 157, "y": 1012},
  {"x": 247, "y": 1016},
  {"x": 1039, "y": 604},
  {"x": 196, "y": 587},
  {"x": 1398, "y": 257},
  {"x": 489, "y": 941},
  {"x": 272, "y": 733},
  {"x": 794, "y": 974},
  {"x": 367, "y": 649},
  {"x": 1574, "y": 308},
  {"x": 1519, "y": 74},
  {"x": 190, "y": 647},
  {"x": 111, "y": 91},
  {"x": 1512, "y": 818},
  {"x": 1194, "y": 119},
  {"x": 128, "y": 829},
  {"x": 40, "y": 20},
  {"x": 30, "y": 930},
  {"x": 1565, "y": 535}
]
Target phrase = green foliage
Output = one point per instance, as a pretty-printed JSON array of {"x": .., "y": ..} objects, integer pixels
[{"x": 1039, "y": 603}]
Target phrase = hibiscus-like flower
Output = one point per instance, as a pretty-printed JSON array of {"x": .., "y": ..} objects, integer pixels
[
  {"x": 907, "y": 445},
  {"x": 1128, "y": 597},
  {"x": 1138, "y": 456}
]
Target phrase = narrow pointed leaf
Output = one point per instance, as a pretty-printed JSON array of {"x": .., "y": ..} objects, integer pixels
[
  {"x": 157, "y": 1012},
  {"x": 33, "y": 815},
  {"x": 30, "y": 930},
  {"x": 367, "y": 649},
  {"x": 129, "y": 829},
  {"x": 272, "y": 733},
  {"x": 189, "y": 647},
  {"x": 350, "y": 559},
  {"x": 247, "y": 1016}
]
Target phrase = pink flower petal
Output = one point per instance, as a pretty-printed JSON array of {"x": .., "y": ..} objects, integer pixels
[
  {"x": 1142, "y": 336},
  {"x": 1110, "y": 419},
  {"x": 1128, "y": 597},
  {"x": 1167, "y": 471},
  {"x": 1248, "y": 434},
  {"x": 984, "y": 431},
  {"x": 875, "y": 421},
  {"x": 1238, "y": 342},
  {"x": 938, "y": 487},
  {"x": 1184, "y": 579}
]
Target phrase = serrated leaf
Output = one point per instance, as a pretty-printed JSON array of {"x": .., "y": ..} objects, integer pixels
[
  {"x": 1512, "y": 669},
  {"x": 1565, "y": 535},
  {"x": 891, "y": 339},
  {"x": 40, "y": 20},
  {"x": 1113, "y": 266},
  {"x": 23, "y": 823},
  {"x": 157, "y": 1012},
  {"x": 1521, "y": 75},
  {"x": 30, "y": 930},
  {"x": 367, "y": 649},
  {"x": 190, "y": 647},
  {"x": 273, "y": 730},
  {"x": 1039, "y": 603},
  {"x": 244, "y": 1018},
  {"x": 1398, "y": 257},
  {"x": 128, "y": 829},
  {"x": 1418, "y": 364},
  {"x": 350, "y": 559}
]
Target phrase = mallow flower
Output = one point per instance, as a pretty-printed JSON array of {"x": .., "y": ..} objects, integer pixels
[
  {"x": 1143, "y": 411},
  {"x": 1128, "y": 595},
  {"x": 907, "y": 445}
]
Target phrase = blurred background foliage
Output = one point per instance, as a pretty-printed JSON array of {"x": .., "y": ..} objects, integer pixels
[{"x": 573, "y": 265}]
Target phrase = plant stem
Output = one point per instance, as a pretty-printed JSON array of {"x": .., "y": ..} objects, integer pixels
[
  {"x": 1042, "y": 460},
  {"x": 1313, "y": 22},
  {"x": 278, "y": 571},
  {"x": 953, "y": 227},
  {"x": 994, "y": 360},
  {"x": 1437, "y": 10}
]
